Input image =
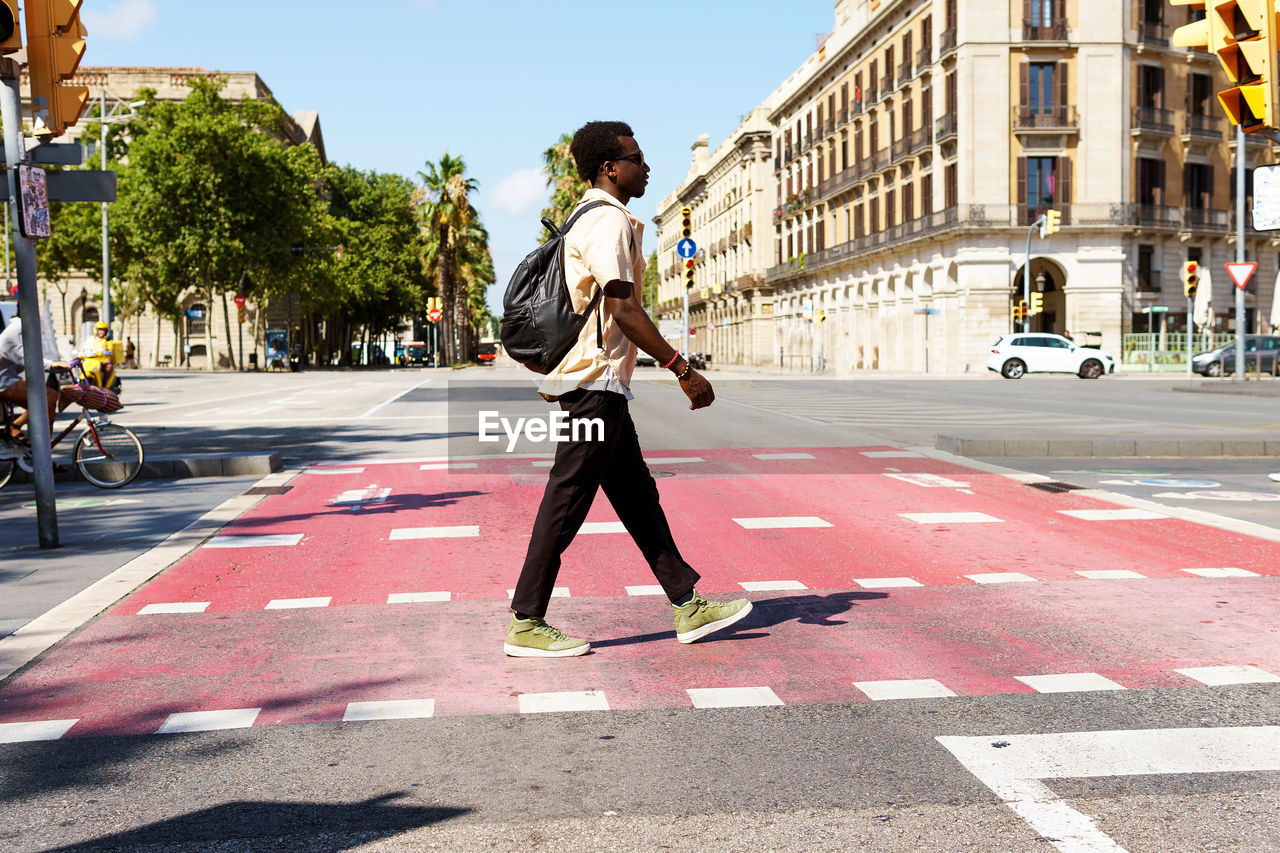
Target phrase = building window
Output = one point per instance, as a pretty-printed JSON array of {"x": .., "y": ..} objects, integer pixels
[
  {"x": 1041, "y": 13},
  {"x": 1148, "y": 278},
  {"x": 1197, "y": 186},
  {"x": 1150, "y": 182},
  {"x": 1040, "y": 183},
  {"x": 926, "y": 195},
  {"x": 1151, "y": 86},
  {"x": 1040, "y": 88},
  {"x": 950, "y": 187}
]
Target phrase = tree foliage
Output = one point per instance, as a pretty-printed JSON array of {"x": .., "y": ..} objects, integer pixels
[{"x": 563, "y": 181}]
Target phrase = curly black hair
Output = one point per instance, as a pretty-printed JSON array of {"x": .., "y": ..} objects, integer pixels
[{"x": 596, "y": 142}]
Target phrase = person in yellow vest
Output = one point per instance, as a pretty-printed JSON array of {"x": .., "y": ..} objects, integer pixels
[{"x": 98, "y": 358}]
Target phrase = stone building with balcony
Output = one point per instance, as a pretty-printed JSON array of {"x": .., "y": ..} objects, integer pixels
[
  {"x": 913, "y": 150},
  {"x": 729, "y": 191}
]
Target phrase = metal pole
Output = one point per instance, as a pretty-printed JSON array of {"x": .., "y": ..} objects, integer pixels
[
  {"x": 38, "y": 428},
  {"x": 107, "y": 315},
  {"x": 684, "y": 347},
  {"x": 1240, "y": 229},
  {"x": 1190, "y": 325},
  {"x": 1026, "y": 283}
]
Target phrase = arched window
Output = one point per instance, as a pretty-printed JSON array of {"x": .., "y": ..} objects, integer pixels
[{"x": 196, "y": 319}]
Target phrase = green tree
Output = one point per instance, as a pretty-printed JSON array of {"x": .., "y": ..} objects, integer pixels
[
  {"x": 563, "y": 181},
  {"x": 446, "y": 217},
  {"x": 210, "y": 190},
  {"x": 649, "y": 283}
]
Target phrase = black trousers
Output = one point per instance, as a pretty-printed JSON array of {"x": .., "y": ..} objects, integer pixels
[{"x": 581, "y": 467}]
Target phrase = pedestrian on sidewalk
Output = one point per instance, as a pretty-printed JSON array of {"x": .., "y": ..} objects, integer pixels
[{"x": 603, "y": 251}]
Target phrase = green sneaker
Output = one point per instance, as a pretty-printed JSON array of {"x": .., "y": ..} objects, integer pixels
[
  {"x": 534, "y": 638},
  {"x": 700, "y": 617}
]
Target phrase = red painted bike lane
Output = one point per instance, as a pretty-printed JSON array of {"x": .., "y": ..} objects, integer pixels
[{"x": 869, "y": 571}]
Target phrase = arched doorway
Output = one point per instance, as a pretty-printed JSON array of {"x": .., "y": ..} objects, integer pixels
[{"x": 1048, "y": 282}]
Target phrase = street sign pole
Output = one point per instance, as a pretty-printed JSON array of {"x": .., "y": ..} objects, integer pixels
[
  {"x": 107, "y": 313},
  {"x": 1190, "y": 326},
  {"x": 1240, "y": 229},
  {"x": 38, "y": 427}
]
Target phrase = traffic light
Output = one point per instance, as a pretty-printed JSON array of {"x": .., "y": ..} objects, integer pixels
[
  {"x": 1052, "y": 223},
  {"x": 55, "y": 45},
  {"x": 688, "y": 274},
  {"x": 686, "y": 221},
  {"x": 1019, "y": 311},
  {"x": 1037, "y": 303},
  {"x": 1190, "y": 278},
  {"x": 10, "y": 33},
  {"x": 822, "y": 315},
  {"x": 1243, "y": 35}
]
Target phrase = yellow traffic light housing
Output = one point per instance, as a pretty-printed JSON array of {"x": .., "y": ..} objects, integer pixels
[
  {"x": 1037, "y": 303},
  {"x": 1019, "y": 310},
  {"x": 1190, "y": 278},
  {"x": 1243, "y": 35},
  {"x": 686, "y": 221},
  {"x": 688, "y": 274},
  {"x": 10, "y": 32},
  {"x": 1052, "y": 223},
  {"x": 55, "y": 46}
]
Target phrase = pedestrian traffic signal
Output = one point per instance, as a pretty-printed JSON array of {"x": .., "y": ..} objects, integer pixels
[
  {"x": 10, "y": 32},
  {"x": 686, "y": 221},
  {"x": 1037, "y": 303},
  {"x": 1190, "y": 278},
  {"x": 688, "y": 273},
  {"x": 55, "y": 46},
  {"x": 1052, "y": 223}
]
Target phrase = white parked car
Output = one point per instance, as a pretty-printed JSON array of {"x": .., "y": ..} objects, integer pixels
[{"x": 1038, "y": 352}]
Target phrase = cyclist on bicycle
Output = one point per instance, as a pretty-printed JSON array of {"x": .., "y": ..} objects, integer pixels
[
  {"x": 98, "y": 357},
  {"x": 13, "y": 387}
]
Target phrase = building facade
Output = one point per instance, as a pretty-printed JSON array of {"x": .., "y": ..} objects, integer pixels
[
  {"x": 729, "y": 191},
  {"x": 915, "y": 148},
  {"x": 77, "y": 303}
]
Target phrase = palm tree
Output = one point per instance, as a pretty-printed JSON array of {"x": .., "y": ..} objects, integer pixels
[
  {"x": 475, "y": 272},
  {"x": 445, "y": 215},
  {"x": 563, "y": 181}
]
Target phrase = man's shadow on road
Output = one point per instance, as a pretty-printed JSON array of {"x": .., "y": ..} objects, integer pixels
[{"x": 805, "y": 609}]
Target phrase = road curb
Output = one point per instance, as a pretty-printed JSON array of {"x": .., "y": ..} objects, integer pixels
[
  {"x": 186, "y": 466},
  {"x": 1105, "y": 447}
]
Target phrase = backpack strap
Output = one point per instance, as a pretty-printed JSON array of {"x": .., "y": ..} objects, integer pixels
[{"x": 563, "y": 230}]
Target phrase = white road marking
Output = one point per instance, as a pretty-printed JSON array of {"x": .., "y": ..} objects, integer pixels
[
  {"x": 904, "y": 688},
  {"x": 209, "y": 721},
  {"x": 417, "y": 597},
  {"x": 461, "y": 532},
  {"x": 770, "y": 586},
  {"x": 1070, "y": 682},
  {"x": 298, "y": 603},
  {"x": 950, "y": 517},
  {"x": 732, "y": 697},
  {"x": 384, "y": 403},
  {"x": 891, "y": 454},
  {"x": 781, "y": 457},
  {"x": 556, "y": 592},
  {"x": 885, "y": 583},
  {"x": 783, "y": 521},
  {"x": 542, "y": 463},
  {"x": 673, "y": 460},
  {"x": 390, "y": 709},
  {"x": 544, "y": 703},
  {"x": 1012, "y": 765},
  {"x": 1220, "y": 496},
  {"x": 591, "y": 527},
  {"x": 370, "y": 495},
  {"x": 1112, "y": 514},
  {"x": 1001, "y": 577},
  {"x": 1225, "y": 572},
  {"x": 334, "y": 471},
  {"x": 255, "y": 540},
  {"x": 440, "y": 466},
  {"x": 1217, "y": 676},
  {"x": 1108, "y": 574},
  {"x": 34, "y": 731},
  {"x": 930, "y": 481},
  {"x": 650, "y": 589},
  {"x": 175, "y": 607}
]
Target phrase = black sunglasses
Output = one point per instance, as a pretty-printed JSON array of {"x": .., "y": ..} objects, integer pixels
[{"x": 636, "y": 157}]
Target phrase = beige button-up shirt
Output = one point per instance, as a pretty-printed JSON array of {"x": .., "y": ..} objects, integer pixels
[{"x": 602, "y": 246}]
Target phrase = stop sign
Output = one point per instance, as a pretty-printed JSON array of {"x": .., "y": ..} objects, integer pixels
[
  {"x": 239, "y": 300},
  {"x": 434, "y": 315}
]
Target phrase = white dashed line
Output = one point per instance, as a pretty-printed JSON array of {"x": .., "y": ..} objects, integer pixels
[
  {"x": 556, "y": 592},
  {"x": 733, "y": 697},
  {"x": 878, "y": 583},
  {"x": 462, "y": 532},
  {"x": 209, "y": 721},
  {"x": 1222, "y": 573},
  {"x": 175, "y": 607},
  {"x": 771, "y": 586},
  {"x": 1001, "y": 577},
  {"x": 1112, "y": 514},
  {"x": 441, "y": 466},
  {"x": 779, "y": 522},
  {"x": 649, "y": 589},
  {"x": 35, "y": 731},
  {"x": 782, "y": 457},
  {"x": 417, "y": 597},
  {"x": 602, "y": 527},
  {"x": 950, "y": 517},
  {"x": 545, "y": 703},
  {"x": 1216, "y": 676},
  {"x": 891, "y": 454},
  {"x": 918, "y": 688},
  {"x": 334, "y": 471},
  {"x": 1109, "y": 574},
  {"x": 265, "y": 540},
  {"x": 1071, "y": 682},
  {"x": 393, "y": 709},
  {"x": 297, "y": 603},
  {"x": 673, "y": 460}
]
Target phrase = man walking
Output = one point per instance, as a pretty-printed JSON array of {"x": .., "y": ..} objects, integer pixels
[{"x": 602, "y": 250}]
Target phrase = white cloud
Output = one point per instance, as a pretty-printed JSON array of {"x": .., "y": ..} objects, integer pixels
[
  {"x": 521, "y": 193},
  {"x": 125, "y": 19}
]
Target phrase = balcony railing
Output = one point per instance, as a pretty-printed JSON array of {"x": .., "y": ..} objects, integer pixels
[
  {"x": 918, "y": 140},
  {"x": 1061, "y": 117},
  {"x": 879, "y": 161},
  {"x": 947, "y": 40},
  {"x": 915, "y": 229},
  {"x": 1155, "y": 215},
  {"x": 945, "y": 127},
  {"x": 829, "y": 126},
  {"x": 843, "y": 118},
  {"x": 898, "y": 149},
  {"x": 1055, "y": 30},
  {"x": 1154, "y": 120},
  {"x": 840, "y": 181},
  {"x": 904, "y": 70},
  {"x": 1027, "y": 215},
  {"x": 1153, "y": 32},
  {"x": 886, "y": 83},
  {"x": 924, "y": 58},
  {"x": 1202, "y": 126},
  {"x": 1205, "y": 219}
]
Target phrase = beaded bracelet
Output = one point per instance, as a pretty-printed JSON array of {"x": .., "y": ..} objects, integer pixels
[
  {"x": 667, "y": 366},
  {"x": 685, "y": 372}
]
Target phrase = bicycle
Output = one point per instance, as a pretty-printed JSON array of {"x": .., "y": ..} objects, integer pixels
[{"x": 107, "y": 455}]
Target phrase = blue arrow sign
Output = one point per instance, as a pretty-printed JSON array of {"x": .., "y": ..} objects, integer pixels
[{"x": 686, "y": 248}]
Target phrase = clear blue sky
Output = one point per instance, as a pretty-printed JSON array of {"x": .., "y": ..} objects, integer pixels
[{"x": 400, "y": 82}]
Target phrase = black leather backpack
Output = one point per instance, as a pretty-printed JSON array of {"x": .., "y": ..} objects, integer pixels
[{"x": 539, "y": 325}]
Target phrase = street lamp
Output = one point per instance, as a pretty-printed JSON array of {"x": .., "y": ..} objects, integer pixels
[{"x": 105, "y": 119}]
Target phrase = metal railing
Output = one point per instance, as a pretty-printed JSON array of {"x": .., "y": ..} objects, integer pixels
[
  {"x": 945, "y": 126},
  {"x": 1203, "y": 126},
  {"x": 1153, "y": 32},
  {"x": 918, "y": 139},
  {"x": 947, "y": 40},
  {"x": 898, "y": 150},
  {"x": 1055, "y": 30},
  {"x": 1153, "y": 119},
  {"x": 1060, "y": 117},
  {"x": 904, "y": 70},
  {"x": 924, "y": 58}
]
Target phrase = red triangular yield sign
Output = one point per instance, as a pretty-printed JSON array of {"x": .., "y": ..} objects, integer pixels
[{"x": 1240, "y": 272}]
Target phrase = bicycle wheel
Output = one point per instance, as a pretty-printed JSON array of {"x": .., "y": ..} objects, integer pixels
[
  {"x": 111, "y": 459},
  {"x": 6, "y": 468}
]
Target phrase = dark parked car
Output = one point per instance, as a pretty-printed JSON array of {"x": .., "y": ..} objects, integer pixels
[{"x": 1261, "y": 354}]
